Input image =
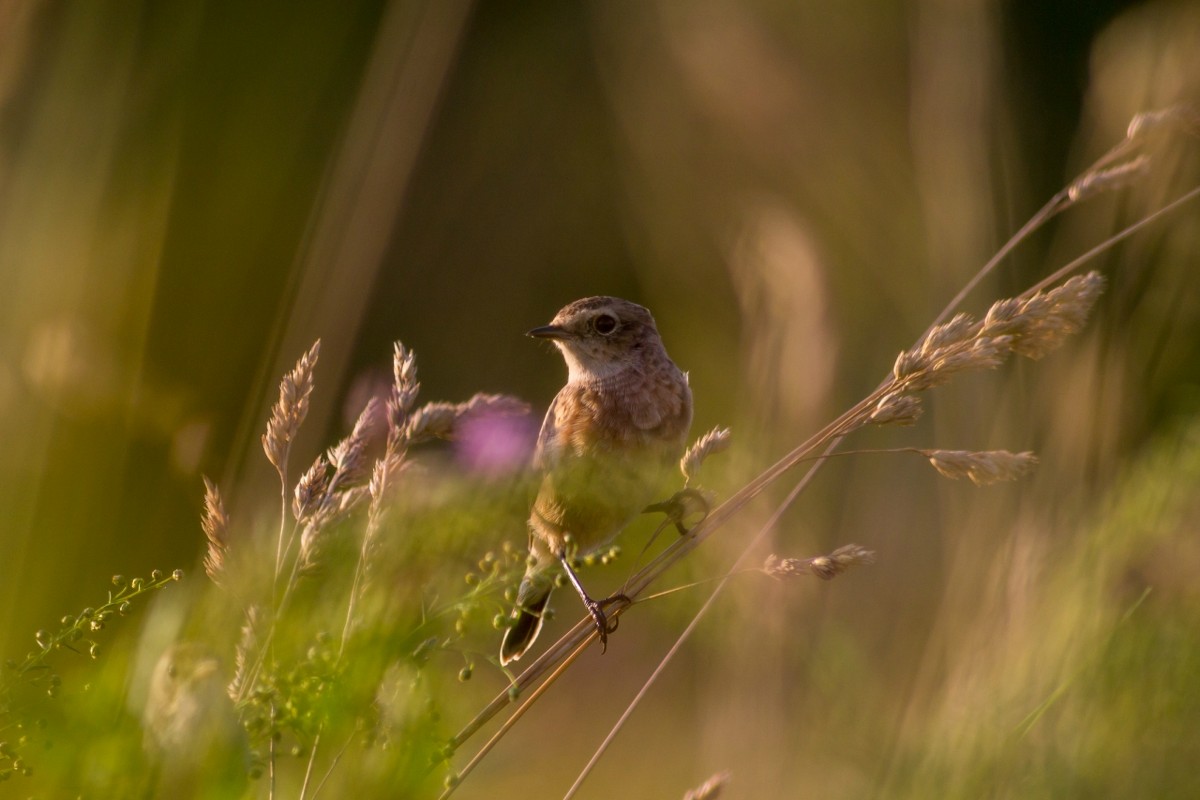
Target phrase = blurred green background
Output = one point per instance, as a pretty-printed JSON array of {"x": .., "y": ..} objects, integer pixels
[{"x": 193, "y": 192}]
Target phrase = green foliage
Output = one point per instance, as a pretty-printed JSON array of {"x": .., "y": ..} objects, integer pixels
[
  {"x": 30, "y": 687},
  {"x": 1107, "y": 707}
]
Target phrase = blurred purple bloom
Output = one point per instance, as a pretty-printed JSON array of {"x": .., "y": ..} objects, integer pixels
[{"x": 496, "y": 444}]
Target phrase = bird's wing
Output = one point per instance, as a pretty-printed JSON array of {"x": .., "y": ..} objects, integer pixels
[{"x": 545, "y": 454}]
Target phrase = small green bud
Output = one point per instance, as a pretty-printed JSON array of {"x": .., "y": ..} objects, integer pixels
[{"x": 177, "y": 575}]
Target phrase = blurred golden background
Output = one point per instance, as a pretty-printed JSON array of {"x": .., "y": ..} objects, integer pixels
[{"x": 191, "y": 193}]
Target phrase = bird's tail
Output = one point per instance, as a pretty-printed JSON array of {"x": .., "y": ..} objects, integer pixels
[{"x": 528, "y": 617}]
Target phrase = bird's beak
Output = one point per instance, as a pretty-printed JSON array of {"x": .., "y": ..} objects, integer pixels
[{"x": 549, "y": 332}]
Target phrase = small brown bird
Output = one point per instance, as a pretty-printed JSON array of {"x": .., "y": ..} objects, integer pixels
[{"x": 609, "y": 438}]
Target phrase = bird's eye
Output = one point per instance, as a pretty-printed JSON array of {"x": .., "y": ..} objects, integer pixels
[{"x": 605, "y": 324}]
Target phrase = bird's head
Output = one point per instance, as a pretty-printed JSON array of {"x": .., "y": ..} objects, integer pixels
[{"x": 600, "y": 336}]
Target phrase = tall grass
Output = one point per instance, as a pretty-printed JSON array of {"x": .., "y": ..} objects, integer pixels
[
  {"x": 331, "y": 641},
  {"x": 192, "y": 193}
]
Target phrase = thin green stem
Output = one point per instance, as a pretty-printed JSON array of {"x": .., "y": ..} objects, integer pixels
[
  {"x": 516, "y": 715},
  {"x": 312, "y": 758},
  {"x": 283, "y": 510}
]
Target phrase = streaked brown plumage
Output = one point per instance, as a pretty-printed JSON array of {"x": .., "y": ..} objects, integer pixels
[{"x": 608, "y": 439}]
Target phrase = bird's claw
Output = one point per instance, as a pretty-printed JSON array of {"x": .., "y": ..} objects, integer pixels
[
  {"x": 605, "y": 625},
  {"x": 684, "y": 504}
]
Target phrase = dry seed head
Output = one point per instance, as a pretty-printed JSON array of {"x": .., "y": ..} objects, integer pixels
[
  {"x": 1029, "y": 326},
  {"x": 824, "y": 567},
  {"x": 1149, "y": 121},
  {"x": 404, "y": 389},
  {"x": 312, "y": 540},
  {"x": 982, "y": 467},
  {"x": 919, "y": 369},
  {"x": 289, "y": 411},
  {"x": 310, "y": 491},
  {"x": 1040, "y": 323},
  {"x": 246, "y": 645},
  {"x": 956, "y": 330},
  {"x": 348, "y": 457},
  {"x": 432, "y": 421},
  {"x": 982, "y": 352},
  {"x": 909, "y": 363},
  {"x": 379, "y": 481},
  {"x": 216, "y": 529},
  {"x": 441, "y": 420},
  {"x": 1103, "y": 180},
  {"x": 715, "y": 441},
  {"x": 1000, "y": 316},
  {"x": 383, "y": 477},
  {"x": 341, "y": 505},
  {"x": 710, "y": 789},
  {"x": 1068, "y": 309},
  {"x": 349, "y": 501},
  {"x": 387, "y": 467},
  {"x": 897, "y": 408}
]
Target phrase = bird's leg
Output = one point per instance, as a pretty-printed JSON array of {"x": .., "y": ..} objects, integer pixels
[
  {"x": 604, "y": 626},
  {"x": 680, "y": 506}
]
